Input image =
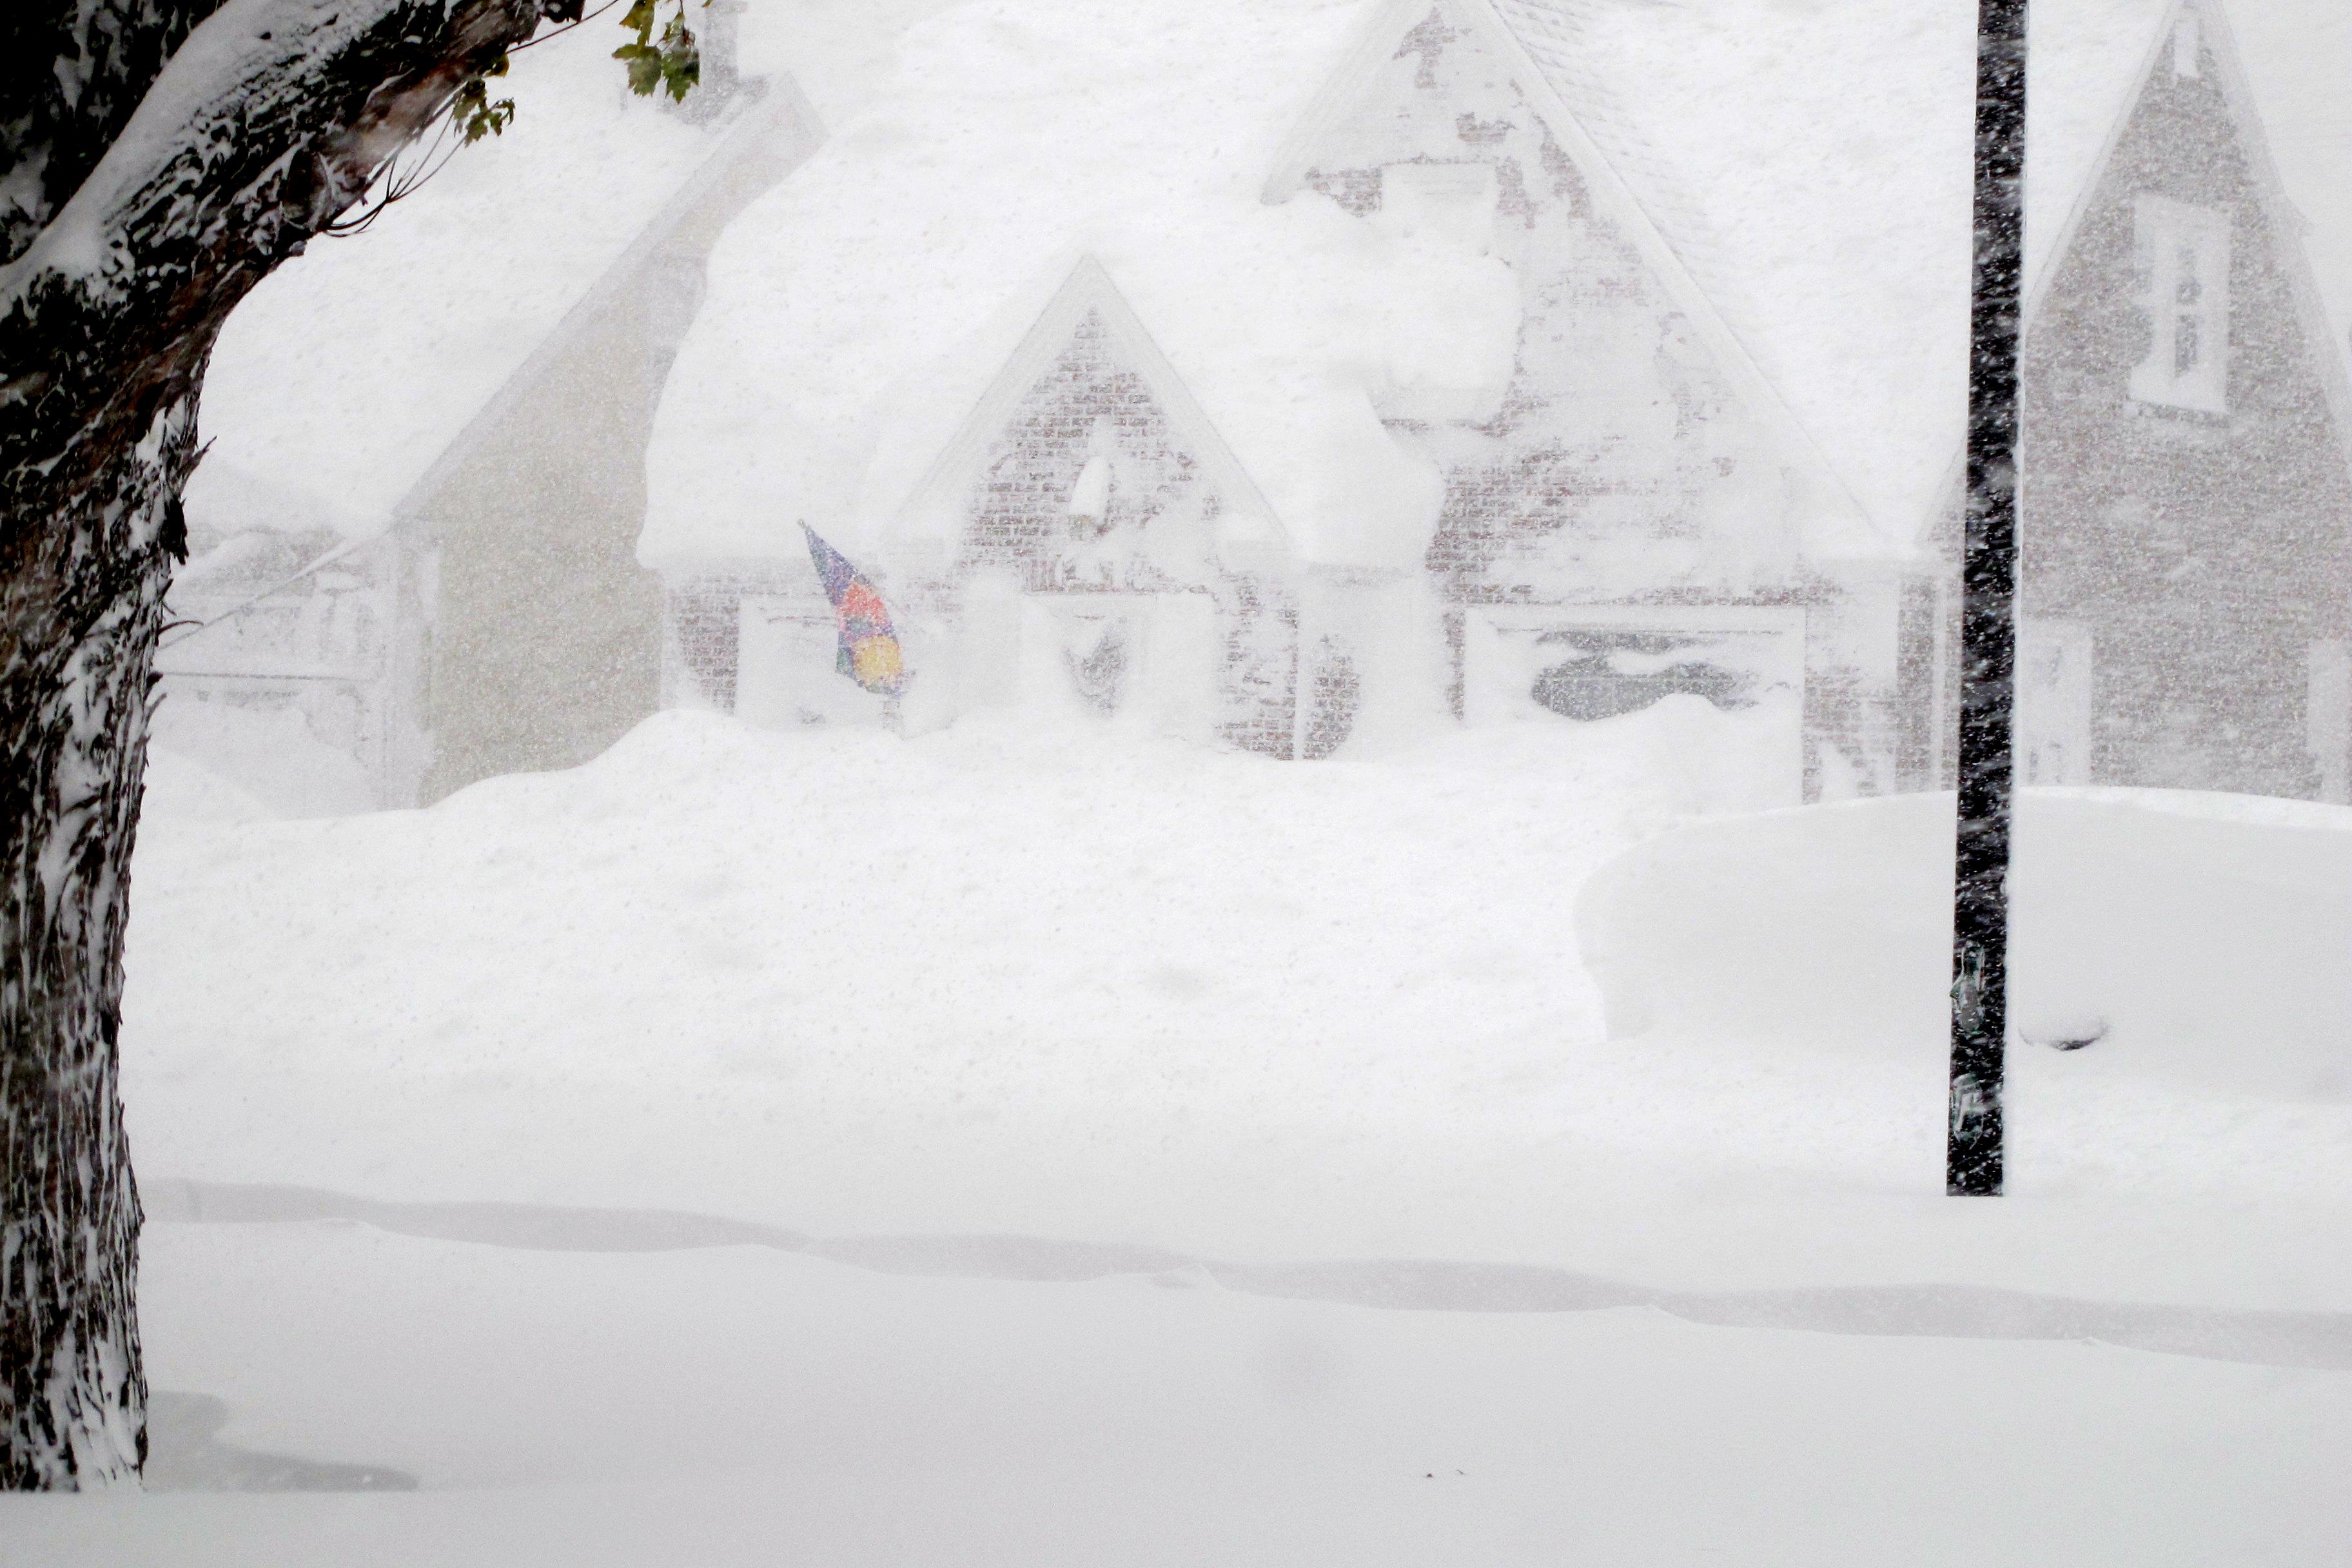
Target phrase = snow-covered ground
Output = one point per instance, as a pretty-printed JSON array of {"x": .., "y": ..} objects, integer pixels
[
  {"x": 1016, "y": 978},
  {"x": 1065, "y": 1136},
  {"x": 711, "y": 1408}
]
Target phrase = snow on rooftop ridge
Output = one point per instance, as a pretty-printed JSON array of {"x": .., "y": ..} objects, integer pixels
[
  {"x": 857, "y": 314},
  {"x": 1830, "y": 146},
  {"x": 351, "y": 369},
  {"x": 1564, "y": 39},
  {"x": 1841, "y": 524}
]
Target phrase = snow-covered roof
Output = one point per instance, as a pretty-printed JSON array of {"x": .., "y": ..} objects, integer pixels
[
  {"x": 1807, "y": 163},
  {"x": 1811, "y": 160},
  {"x": 349, "y": 371},
  {"x": 1637, "y": 193},
  {"x": 857, "y": 314},
  {"x": 1806, "y": 160}
]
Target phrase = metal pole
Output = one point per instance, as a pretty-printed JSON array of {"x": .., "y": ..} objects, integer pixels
[{"x": 1973, "y": 1150}]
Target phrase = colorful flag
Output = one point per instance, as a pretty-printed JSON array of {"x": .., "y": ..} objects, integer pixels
[{"x": 869, "y": 644}]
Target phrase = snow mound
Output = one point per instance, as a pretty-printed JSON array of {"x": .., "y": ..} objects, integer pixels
[
  {"x": 216, "y": 760},
  {"x": 182, "y": 791},
  {"x": 2207, "y": 934},
  {"x": 1026, "y": 978}
]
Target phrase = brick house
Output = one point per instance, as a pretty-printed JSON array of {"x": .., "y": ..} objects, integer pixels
[
  {"x": 1641, "y": 513},
  {"x": 1629, "y": 510},
  {"x": 2186, "y": 590},
  {"x": 1731, "y": 398},
  {"x": 1087, "y": 534}
]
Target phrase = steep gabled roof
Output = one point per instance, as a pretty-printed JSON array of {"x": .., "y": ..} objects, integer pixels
[
  {"x": 1571, "y": 97},
  {"x": 1798, "y": 173},
  {"x": 1826, "y": 150},
  {"x": 936, "y": 503},
  {"x": 769, "y": 128},
  {"x": 358, "y": 373},
  {"x": 859, "y": 312}
]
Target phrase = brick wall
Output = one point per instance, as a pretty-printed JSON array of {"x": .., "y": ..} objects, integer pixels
[
  {"x": 1620, "y": 465},
  {"x": 1156, "y": 532},
  {"x": 2204, "y": 552}
]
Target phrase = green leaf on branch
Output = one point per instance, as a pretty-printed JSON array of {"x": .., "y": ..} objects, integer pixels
[
  {"x": 476, "y": 113},
  {"x": 645, "y": 66},
  {"x": 668, "y": 60}
]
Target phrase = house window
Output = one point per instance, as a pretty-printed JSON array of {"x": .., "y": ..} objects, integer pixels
[{"x": 2181, "y": 257}]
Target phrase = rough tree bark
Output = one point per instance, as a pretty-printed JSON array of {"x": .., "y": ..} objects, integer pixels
[{"x": 157, "y": 159}]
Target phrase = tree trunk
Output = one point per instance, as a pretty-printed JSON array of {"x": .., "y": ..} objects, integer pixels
[
  {"x": 82, "y": 604},
  {"x": 178, "y": 150}
]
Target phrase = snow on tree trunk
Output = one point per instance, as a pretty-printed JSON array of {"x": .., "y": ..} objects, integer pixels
[
  {"x": 82, "y": 619},
  {"x": 167, "y": 159},
  {"x": 1973, "y": 1148}
]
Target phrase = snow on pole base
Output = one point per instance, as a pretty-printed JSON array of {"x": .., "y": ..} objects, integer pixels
[{"x": 1973, "y": 1150}]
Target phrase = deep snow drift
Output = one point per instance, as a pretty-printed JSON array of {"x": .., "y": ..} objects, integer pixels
[
  {"x": 1501, "y": 996},
  {"x": 1025, "y": 978},
  {"x": 2197, "y": 940}
]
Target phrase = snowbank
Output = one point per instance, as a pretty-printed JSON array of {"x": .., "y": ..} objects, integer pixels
[
  {"x": 182, "y": 792},
  {"x": 2203, "y": 938},
  {"x": 1010, "y": 909},
  {"x": 857, "y": 313},
  {"x": 1015, "y": 979}
]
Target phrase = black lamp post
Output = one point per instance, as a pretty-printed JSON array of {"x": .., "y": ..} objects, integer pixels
[{"x": 1972, "y": 1160}]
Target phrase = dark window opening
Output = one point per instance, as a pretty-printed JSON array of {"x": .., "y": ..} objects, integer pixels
[{"x": 1613, "y": 673}]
